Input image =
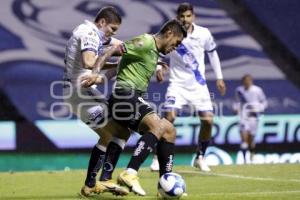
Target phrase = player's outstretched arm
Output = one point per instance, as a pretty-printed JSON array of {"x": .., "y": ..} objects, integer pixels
[
  {"x": 91, "y": 61},
  {"x": 91, "y": 79},
  {"x": 101, "y": 60}
]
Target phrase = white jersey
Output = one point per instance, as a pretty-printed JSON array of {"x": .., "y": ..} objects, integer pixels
[
  {"x": 187, "y": 61},
  {"x": 85, "y": 37},
  {"x": 250, "y": 102},
  {"x": 87, "y": 103}
]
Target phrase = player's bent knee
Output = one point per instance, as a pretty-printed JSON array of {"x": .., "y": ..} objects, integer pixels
[
  {"x": 151, "y": 123},
  {"x": 168, "y": 131}
]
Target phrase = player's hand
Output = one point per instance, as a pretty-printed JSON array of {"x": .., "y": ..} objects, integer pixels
[
  {"x": 91, "y": 79},
  {"x": 221, "y": 86},
  {"x": 161, "y": 70},
  {"x": 164, "y": 66},
  {"x": 159, "y": 75}
]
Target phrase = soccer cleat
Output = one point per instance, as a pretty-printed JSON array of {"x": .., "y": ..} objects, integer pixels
[
  {"x": 104, "y": 186},
  {"x": 88, "y": 191},
  {"x": 114, "y": 188},
  {"x": 154, "y": 167},
  {"x": 132, "y": 182},
  {"x": 201, "y": 164}
]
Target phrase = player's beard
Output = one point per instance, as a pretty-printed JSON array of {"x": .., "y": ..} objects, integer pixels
[
  {"x": 165, "y": 51},
  {"x": 187, "y": 26}
]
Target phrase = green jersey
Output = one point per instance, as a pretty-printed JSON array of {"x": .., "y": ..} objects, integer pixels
[{"x": 138, "y": 63}]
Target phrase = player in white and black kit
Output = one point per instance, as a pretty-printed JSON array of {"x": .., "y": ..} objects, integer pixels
[
  {"x": 187, "y": 79},
  {"x": 84, "y": 57},
  {"x": 250, "y": 103}
]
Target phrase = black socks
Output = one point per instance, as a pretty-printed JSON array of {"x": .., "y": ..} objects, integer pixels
[
  {"x": 110, "y": 161},
  {"x": 165, "y": 155},
  {"x": 95, "y": 163},
  {"x": 202, "y": 146},
  {"x": 144, "y": 147}
]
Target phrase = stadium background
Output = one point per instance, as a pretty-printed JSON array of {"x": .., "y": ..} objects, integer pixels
[{"x": 255, "y": 37}]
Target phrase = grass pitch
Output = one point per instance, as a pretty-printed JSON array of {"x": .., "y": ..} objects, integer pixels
[{"x": 224, "y": 182}]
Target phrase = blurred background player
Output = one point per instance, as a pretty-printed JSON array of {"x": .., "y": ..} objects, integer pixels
[
  {"x": 85, "y": 56},
  {"x": 187, "y": 80},
  {"x": 250, "y": 103}
]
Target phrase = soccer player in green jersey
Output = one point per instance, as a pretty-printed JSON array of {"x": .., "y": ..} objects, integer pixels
[{"x": 127, "y": 107}]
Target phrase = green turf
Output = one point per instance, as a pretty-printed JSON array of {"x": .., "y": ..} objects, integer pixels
[
  {"x": 59, "y": 161},
  {"x": 234, "y": 182}
]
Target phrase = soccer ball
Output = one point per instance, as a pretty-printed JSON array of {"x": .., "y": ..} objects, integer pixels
[{"x": 171, "y": 185}]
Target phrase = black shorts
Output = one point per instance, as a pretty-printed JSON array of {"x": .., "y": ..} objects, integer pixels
[{"x": 128, "y": 107}]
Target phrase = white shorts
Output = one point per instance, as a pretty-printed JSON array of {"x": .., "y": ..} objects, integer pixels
[
  {"x": 196, "y": 96},
  {"x": 88, "y": 104},
  {"x": 249, "y": 125}
]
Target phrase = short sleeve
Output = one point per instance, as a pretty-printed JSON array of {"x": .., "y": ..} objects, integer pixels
[
  {"x": 210, "y": 44},
  {"x": 135, "y": 48},
  {"x": 89, "y": 42}
]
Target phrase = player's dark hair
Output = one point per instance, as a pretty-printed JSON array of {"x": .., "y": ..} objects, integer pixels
[
  {"x": 110, "y": 14},
  {"x": 175, "y": 26},
  {"x": 246, "y": 76},
  {"x": 183, "y": 7}
]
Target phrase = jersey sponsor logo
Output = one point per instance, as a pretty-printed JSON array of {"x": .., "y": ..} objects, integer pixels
[
  {"x": 92, "y": 33},
  {"x": 90, "y": 42}
]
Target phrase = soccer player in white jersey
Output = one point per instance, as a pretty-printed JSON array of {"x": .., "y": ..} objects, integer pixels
[
  {"x": 250, "y": 103},
  {"x": 85, "y": 56},
  {"x": 187, "y": 80}
]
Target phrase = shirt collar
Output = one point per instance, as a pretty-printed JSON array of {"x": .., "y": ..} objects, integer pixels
[
  {"x": 192, "y": 34},
  {"x": 100, "y": 33},
  {"x": 251, "y": 86}
]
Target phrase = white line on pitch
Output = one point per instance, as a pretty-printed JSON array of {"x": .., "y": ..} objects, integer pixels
[{"x": 237, "y": 176}]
